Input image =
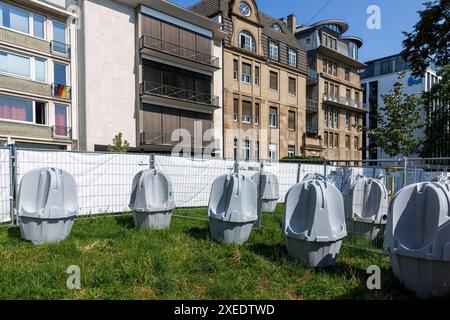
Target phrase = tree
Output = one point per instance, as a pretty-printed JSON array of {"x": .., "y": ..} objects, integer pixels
[
  {"x": 428, "y": 42},
  {"x": 428, "y": 45},
  {"x": 397, "y": 119},
  {"x": 119, "y": 144}
]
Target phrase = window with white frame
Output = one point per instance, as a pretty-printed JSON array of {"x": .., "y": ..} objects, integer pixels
[
  {"x": 291, "y": 151},
  {"x": 347, "y": 121},
  {"x": 24, "y": 21},
  {"x": 246, "y": 150},
  {"x": 292, "y": 88},
  {"x": 273, "y": 117},
  {"x": 235, "y": 109},
  {"x": 23, "y": 110},
  {"x": 257, "y": 76},
  {"x": 246, "y": 112},
  {"x": 273, "y": 50},
  {"x": 246, "y": 41},
  {"x": 24, "y": 66},
  {"x": 235, "y": 69},
  {"x": 356, "y": 122},
  {"x": 273, "y": 152},
  {"x": 59, "y": 44},
  {"x": 257, "y": 111},
  {"x": 336, "y": 118},
  {"x": 292, "y": 57},
  {"x": 246, "y": 73},
  {"x": 61, "y": 120},
  {"x": 325, "y": 116}
]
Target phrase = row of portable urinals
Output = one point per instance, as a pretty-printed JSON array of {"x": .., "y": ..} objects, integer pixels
[{"x": 317, "y": 216}]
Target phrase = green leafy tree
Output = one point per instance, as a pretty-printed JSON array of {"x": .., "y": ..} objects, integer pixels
[
  {"x": 119, "y": 144},
  {"x": 397, "y": 119},
  {"x": 428, "y": 45}
]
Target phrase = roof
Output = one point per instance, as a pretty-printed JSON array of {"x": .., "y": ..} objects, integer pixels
[
  {"x": 211, "y": 8},
  {"x": 341, "y": 23}
]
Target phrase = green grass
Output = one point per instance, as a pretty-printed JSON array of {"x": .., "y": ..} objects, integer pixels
[{"x": 119, "y": 262}]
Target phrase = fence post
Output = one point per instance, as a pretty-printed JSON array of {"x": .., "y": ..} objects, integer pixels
[
  {"x": 405, "y": 172},
  {"x": 299, "y": 172},
  {"x": 325, "y": 169},
  {"x": 259, "y": 202},
  {"x": 152, "y": 161},
  {"x": 11, "y": 183}
]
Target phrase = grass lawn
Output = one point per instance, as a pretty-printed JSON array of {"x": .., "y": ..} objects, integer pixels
[{"x": 119, "y": 262}]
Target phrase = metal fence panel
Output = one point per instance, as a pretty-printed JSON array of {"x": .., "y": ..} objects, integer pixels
[
  {"x": 104, "y": 179},
  {"x": 5, "y": 185}
]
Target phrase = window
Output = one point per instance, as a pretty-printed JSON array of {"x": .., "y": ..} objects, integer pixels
[
  {"x": 325, "y": 63},
  {"x": 40, "y": 69},
  {"x": 336, "y": 140},
  {"x": 15, "y": 64},
  {"x": 291, "y": 151},
  {"x": 61, "y": 120},
  {"x": 347, "y": 74},
  {"x": 273, "y": 50},
  {"x": 246, "y": 41},
  {"x": 273, "y": 151},
  {"x": 246, "y": 112},
  {"x": 327, "y": 90},
  {"x": 292, "y": 59},
  {"x": 246, "y": 150},
  {"x": 257, "y": 150},
  {"x": 330, "y": 117},
  {"x": 276, "y": 27},
  {"x": 325, "y": 116},
  {"x": 59, "y": 38},
  {"x": 336, "y": 118},
  {"x": 292, "y": 86},
  {"x": 347, "y": 142},
  {"x": 330, "y": 67},
  {"x": 273, "y": 117},
  {"x": 40, "y": 111},
  {"x": 357, "y": 99},
  {"x": 235, "y": 148},
  {"x": 347, "y": 96},
  {"x": 12, "y": 108},
  {"x": 356, "y": 122},
  {"x": 325, "y": 139},
  {"x": 356, "y": 143},
  {"x": 273, "y": 80},
  {"x": 257, "y": 75},
  {"x": 245, "y": 9},
  {"x": 60, "y": 73},
  {"x": 335, "y": 67},
  {"x": 291, "y": 120},
  {"x": 332, "y": 96},
  {"x": 38, "y": 26},
  {"x": 257, "y": 113},
  {"x": 15, "y": 18},
  {"x": 235, "y": 109},
  {"x": 235, "y": 69},
  {"x": 347, "y": 121},
  {"x": 246, "y": 73},
  {"x": 330, "y": 139}
]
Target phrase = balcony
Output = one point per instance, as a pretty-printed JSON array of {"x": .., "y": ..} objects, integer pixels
[
  {"x": 166, "y": 141},
  {"x": 60, "y": 48},
  {"x": 62, "y": 4},
  {"x": 62, "y": 132},
  {"x": 343, "y": 101},
  {"x": 339, "y": 50},
  {"x": 61, "y": 91},
  {"x": 312, "y": 106},
  {"x": 162, "y": 90},
  {"x": 147, "y": 42}
]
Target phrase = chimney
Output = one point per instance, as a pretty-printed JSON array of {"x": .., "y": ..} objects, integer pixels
[{"x": 292, "y": 22}]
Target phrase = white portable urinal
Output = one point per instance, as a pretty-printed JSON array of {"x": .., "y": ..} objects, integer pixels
[
  {"x": 152, "y": 200},
  {"x": 366, "y": 208},
  {"x": 268, "y": 190},
  {"x": 418, "y": 238},
  {"x": 47, "y": 205},
  {"x": 314, "y": 223},
  {"x": 232, "y": 208}
]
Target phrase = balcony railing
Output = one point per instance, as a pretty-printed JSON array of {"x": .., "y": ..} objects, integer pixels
[
  {"x": 344, "y": 101},
  {"x": 337, "y": 45},
  {"x": 60, "y": 48},
  {"x": 312, "y": 106},
  {"x": 163, "y": 90},
  {"x": 166, "y": 140},
  {"x": 179, "y": 51},
  {"x": 312, "y": 128},
  {"x": 61, "y": 91},
  {"x": 62, "y": 132},
  {"x": 63, "y": 4}
]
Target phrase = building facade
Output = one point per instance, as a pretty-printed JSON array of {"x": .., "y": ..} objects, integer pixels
[
  {"x": 38, "y": 74},
  {"x": 264, "y": 81},
  {"x": 378, "y": 79},
  {"x": 153, "y": 71},
  {"x": 334, "y": 93}
]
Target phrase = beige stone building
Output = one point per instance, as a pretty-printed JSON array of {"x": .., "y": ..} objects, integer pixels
[
  {"x": 334, "y": 92},
  {"x": 264, "y": 81},
  {"x": 38, "y": 78}
]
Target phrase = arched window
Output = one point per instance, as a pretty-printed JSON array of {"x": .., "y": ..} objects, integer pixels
[{"x": 246, "y": 41}]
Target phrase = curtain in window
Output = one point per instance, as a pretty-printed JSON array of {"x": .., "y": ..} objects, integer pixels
[
  {"x": 60, "y": 120},
  {"x": 16, "y": 109}
]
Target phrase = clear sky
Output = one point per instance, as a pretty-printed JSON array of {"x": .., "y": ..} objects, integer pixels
[{"x": 396, "y": 16}]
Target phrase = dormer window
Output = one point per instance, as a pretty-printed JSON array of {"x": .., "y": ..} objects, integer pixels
[
  {"x": 245, "y": 9},
  {"x": 273, "y": 50},
  {"x": 276, "y": 27},
  {"x": 246, "y": 41}
]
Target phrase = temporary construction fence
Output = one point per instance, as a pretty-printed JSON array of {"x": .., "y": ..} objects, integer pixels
[{"x": 104, "y": 180}]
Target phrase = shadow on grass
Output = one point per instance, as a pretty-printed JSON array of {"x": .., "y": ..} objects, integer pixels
[
  {"x": 272, "y": 252},
  {"x": 198, "y": 233},
  {"x": 125, "y": 221},
  {"x": 14, "y": 233}
]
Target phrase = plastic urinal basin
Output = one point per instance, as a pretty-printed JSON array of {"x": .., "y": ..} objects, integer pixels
[
  {"x": 367, "y": 202},
  {"x": 424, "y": 222},
  {"x": 218, "y": 207}
]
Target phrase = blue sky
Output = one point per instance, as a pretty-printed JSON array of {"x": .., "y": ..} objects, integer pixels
[{"x": 396, "y": 16}]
